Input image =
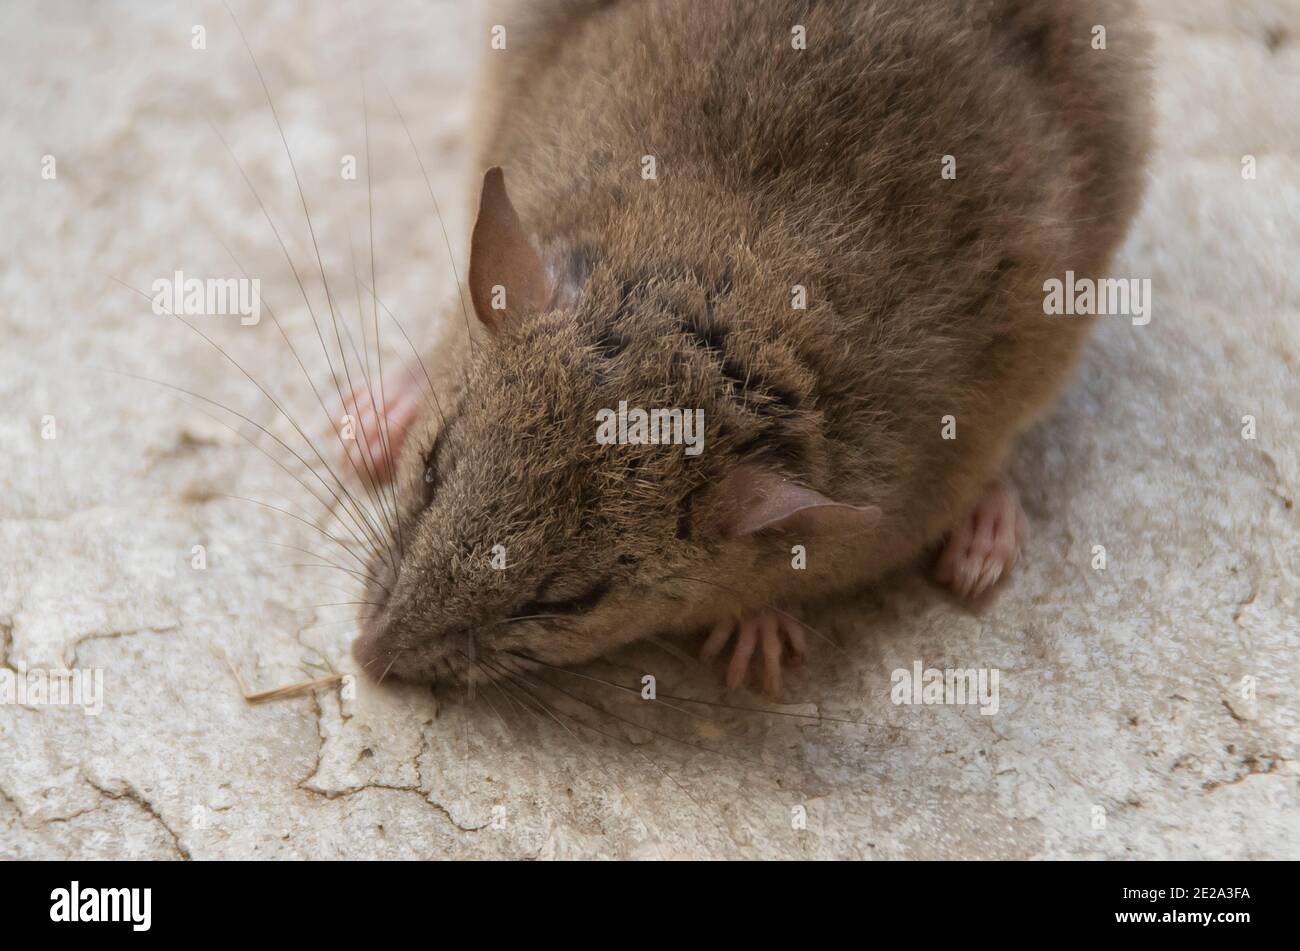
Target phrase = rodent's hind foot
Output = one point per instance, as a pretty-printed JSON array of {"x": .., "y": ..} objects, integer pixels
[
  {"x": 773, "y": 633},
  {"x": 985, "y": 544}
]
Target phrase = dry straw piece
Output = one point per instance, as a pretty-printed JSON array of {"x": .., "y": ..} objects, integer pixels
[{"x": 287, "y": 691}]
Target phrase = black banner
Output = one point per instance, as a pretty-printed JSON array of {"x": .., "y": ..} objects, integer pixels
[{"x": 934, "y": 901}]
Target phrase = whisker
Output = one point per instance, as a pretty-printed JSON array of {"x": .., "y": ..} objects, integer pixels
[
  {"x": 299, "y": 518},
  {"x": 531, "y": 617},
  {"x": 382, "y": 418},
  {"x": 198, "y": 396},
  {"x": 302, "y": 197},
  {"x": 335, "y": 567},
  {"x": 601, "y": 766},
  {"x": 749, "y": 761},
  {"x": 405, "y": 336},
  {"x": 373, "y": 660},
  {"x": 622, "y": 719},
  {"x": 396, "y": 655},
  {"x": 667, "y": 775},
  {"x": 607, "y": 683},
  {"x": 337, "y": 621},
  {"x": 491, "y": 704},
  {"x": 451, "y": 257},
  {"x": 328, "y": 561},
  {"x": 818, "y": 717},
  {"x": 672, "y": 649},
  {"x": 264, "y": 392},
  {"x": 368, "y": 480}
]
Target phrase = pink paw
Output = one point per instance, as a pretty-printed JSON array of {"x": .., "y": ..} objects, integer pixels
[
  {"x": 985, "y": 544},
  {"x": 372, "y": 424},
  {"x": 765, "y": 630}
]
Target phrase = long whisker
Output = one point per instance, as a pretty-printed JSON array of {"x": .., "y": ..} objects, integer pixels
[
  {"x": 632, "y": 723},
  {"x": 489, "y": 702},
  {"x": 373, "y": 660},
  {"x": 398, "y": 654},
  {"x": 357, "y": 574},
  {"x": 328, "y": 561},
  {"x": 667, "y": 775},
  {"x": 532, "y": 617},
  {"x": 337, "y": 621},
  {"x": 382, "y": 419},
  {"x": 667, "y": 736},
  {"x": 433, "y": 393},
  {"x": 626, "y": 798},
  {"x": 495, "y": 682},
  {"x": 367, "y": 480},
  {"x": 431, "y": 398},
  {"x": 302, "y": 197},
  {"x": 451, "y": 257},
  {"x": 199, "y": 396},
  {"x": 276, "y": 403},
  {"x": 818, "y": 717},
  {"x": 299, "y": 518},
  {"x": 606, "y": 683}
]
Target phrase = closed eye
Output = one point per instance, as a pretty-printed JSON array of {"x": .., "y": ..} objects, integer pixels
[
  {"x": 434, "y": 460},
  {"x": 430, "y": 484},
  {"x": 583, "y": 602}
]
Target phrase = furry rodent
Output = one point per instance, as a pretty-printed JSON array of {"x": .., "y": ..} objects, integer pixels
[{"x": 776, "y": 167}]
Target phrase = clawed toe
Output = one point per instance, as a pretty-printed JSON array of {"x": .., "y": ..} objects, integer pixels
[
  {"x": 776, "y": 637},
  {"x": 984, "y": 545}
]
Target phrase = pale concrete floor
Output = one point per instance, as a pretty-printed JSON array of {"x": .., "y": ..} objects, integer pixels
[{"x": 1121, "y": 692}]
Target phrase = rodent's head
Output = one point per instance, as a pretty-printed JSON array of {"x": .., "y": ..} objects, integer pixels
[{"x": 525, "y": 538}]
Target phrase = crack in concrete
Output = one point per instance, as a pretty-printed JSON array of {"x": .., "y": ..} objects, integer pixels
[
  {"x": 424, "y": 797},
  {"x": 115, "y": 635},
  {"x": 4, "y": 795},
  {"x": 1233, "y": 713},
  {"x": 131, "y": 794},
  {"x": 1254, "y": 766},
  {"x": 76, "y": 815},
  {"x": 418, "y": 789}
]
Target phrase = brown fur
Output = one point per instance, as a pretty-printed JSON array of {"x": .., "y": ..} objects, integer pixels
[{"x": 776, "y": 167}]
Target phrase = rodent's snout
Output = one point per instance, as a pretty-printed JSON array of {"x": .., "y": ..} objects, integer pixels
[
  {"x": 374, "y": 648},
  {"x": 391, "y": 645},
  {"x": 371, "y": 649}
]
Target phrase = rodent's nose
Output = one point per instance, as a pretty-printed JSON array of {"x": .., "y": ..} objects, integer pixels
[{"x": 373, "y": 655}]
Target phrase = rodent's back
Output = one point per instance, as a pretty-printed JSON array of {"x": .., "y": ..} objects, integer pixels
[{"x": 820, "y": 167}]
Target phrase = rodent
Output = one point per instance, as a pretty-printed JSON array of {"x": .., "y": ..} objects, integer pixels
[{"x": 776, "y": 168}]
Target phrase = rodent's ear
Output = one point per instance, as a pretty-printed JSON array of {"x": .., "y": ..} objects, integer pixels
[
  {"x": 506, "y": 277},
  {"x": 755, "y": 499}
]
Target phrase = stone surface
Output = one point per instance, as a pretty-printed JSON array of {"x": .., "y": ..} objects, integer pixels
[{"x": 1157, "y": 695}]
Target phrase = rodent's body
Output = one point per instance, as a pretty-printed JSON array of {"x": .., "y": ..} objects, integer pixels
[{"x": 775, "y": 168}]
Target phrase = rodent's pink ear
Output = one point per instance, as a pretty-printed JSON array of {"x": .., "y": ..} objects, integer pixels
[
  {"x": 756, "y": 499},
  {"x": 506, "y": 277}
]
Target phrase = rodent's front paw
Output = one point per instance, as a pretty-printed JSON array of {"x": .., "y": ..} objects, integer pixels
[
  {"x": 373, "y": 422},
  {"x": 765, "y": 629}
]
